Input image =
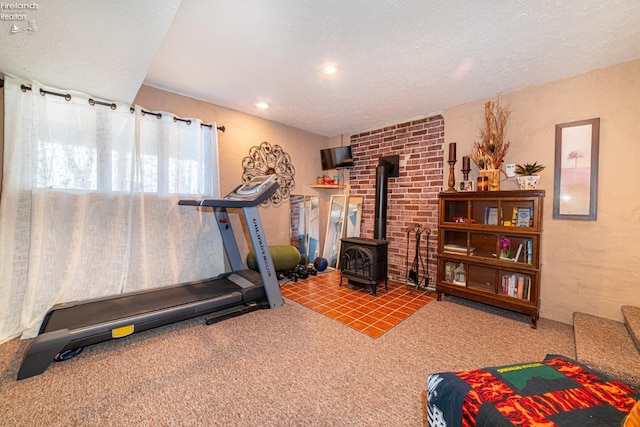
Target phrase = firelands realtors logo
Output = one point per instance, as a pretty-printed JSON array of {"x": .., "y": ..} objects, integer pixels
[{"x": 18, "y": 15}]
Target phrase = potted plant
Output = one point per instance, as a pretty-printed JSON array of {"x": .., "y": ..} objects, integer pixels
[{"x": 527, "y": 175}]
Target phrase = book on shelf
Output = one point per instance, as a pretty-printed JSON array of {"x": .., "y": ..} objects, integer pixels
[
  {"x": 520, "y": 286},
  {"x": 518, "y": 252},
  {"x": 458, "y": 249},
  {"x": 491, "y": 216},
  {"x": 516, "y": 286},
  {"x": 524, "y": 252}
]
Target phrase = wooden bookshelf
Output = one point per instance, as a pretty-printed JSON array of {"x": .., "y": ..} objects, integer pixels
[{"x": 489, "y": 248}]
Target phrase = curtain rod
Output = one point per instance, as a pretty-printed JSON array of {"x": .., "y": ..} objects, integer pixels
[
  {"x": 112, "y": 105},
  {"x": 178, "y": 119}
]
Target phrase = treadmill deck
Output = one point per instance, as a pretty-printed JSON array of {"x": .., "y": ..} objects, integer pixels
[{"x": 89, "y": 313}]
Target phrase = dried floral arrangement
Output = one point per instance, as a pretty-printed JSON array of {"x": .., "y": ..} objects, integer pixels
[{"x": 489, "y": 152}]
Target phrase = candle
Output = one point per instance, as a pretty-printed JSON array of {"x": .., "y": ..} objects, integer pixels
[
  {"x": 466, "y": 165},
  {"x": 483, "y": 183},
  {"x": 452, "y": 152}
]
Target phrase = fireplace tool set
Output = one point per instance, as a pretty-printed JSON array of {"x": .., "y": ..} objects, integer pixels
[{"x": 413, "y": 277}]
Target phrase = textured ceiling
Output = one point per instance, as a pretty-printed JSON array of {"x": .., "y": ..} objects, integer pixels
[
  {"x": 103, "y": 48},
  {"x": 398, "y": 59}
]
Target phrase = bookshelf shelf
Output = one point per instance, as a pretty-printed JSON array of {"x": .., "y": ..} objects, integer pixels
[{"x": 489, "y": 248}]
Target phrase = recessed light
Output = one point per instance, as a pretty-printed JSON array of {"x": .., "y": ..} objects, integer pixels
[
  {"x": 262, "y": 105},
  {"x": 329, "y": 69}
]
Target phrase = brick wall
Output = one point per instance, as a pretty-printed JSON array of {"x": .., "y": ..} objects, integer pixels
[{"x": 413, "y": 197}]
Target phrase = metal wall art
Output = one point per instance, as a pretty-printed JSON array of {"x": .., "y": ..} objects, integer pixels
[{"x": 266, "y": 159}]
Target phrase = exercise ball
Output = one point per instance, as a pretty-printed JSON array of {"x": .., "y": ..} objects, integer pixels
[{"x": 320, "y": 264}]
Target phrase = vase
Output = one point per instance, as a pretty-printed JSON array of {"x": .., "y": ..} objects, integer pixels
[
  {"x": 528, "y": 182},
  {"x": 494, "y": 178}
]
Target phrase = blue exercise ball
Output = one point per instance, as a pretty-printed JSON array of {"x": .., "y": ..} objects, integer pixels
[{"x": 320, "y": 264}]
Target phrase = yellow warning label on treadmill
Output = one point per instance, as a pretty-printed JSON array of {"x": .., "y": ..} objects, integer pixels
[{"x": 122, "y": 331}]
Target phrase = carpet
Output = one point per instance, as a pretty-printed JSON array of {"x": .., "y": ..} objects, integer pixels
[{"x": 354, "y": 305}]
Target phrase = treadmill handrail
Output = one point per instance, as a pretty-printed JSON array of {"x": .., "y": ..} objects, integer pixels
[{"x": 234, "y": 200}]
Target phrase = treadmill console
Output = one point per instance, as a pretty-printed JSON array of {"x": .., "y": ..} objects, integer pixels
[
  {"x": 251, "y": 193},
  {"x": 254, "y": 186}
]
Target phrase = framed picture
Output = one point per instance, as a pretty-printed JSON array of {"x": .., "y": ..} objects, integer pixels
[
  {"x": 465, "y": 186},
  {"x": 575, "y": 189},
  {"x": 523, "y": 217}
]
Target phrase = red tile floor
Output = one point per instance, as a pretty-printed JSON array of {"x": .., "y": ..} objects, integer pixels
[{"x": 354, "y": 305}]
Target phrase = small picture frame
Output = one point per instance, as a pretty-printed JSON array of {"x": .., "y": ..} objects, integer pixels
[
  {"x": 523, "y": 217},
  {"x": 491, "y": 215},
  {"x": 465, "y": 186},
  {"x": 448, "y": 271}
]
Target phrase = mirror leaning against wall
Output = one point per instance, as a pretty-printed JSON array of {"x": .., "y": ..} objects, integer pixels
[
  {"x": 305, "y": 225},
  {"x": 335, "y": 229},
  {"x": 343, "y": 221},
  {"x": 354, "y": 216}
]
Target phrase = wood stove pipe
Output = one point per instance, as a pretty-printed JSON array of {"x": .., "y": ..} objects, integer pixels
[{"x": 380, "y": 219}]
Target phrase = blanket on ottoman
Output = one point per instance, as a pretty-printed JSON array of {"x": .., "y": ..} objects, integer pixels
[{"x": 555, "y": 392}]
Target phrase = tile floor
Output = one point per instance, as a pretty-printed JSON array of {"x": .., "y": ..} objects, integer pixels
[{"x": 354, "y": 305}]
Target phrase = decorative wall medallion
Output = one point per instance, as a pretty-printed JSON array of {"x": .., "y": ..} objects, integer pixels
[{"x": 266, "y": 159}]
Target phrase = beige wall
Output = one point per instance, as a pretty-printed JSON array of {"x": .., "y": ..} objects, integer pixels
[
  {"x": 587, "y": 266},
  {"x": 243, "y": 132}
]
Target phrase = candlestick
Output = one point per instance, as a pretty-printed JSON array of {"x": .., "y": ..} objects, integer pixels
[
  {"x": 466, "y": 167},
  {"x": 452, "y": 152},
  {"x": 452, "y": 175}
]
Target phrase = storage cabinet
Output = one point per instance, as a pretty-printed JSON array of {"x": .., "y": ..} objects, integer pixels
[{"x": 489, "y": 248}]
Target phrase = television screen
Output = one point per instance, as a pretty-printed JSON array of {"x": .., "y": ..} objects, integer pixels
[{"x": 336, "y": 158}]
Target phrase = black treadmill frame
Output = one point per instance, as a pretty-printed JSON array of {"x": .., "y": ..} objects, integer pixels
[{"x": 251, "y": 293}]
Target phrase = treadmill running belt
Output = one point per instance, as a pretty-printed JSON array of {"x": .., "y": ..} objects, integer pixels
[{"x": 89, "y": 313}]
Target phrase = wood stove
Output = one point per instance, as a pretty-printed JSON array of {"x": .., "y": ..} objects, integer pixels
[{"x": 364, "y": 261}]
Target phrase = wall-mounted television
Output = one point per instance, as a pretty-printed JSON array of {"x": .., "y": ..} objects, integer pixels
[{"x": 336, "y": 158}]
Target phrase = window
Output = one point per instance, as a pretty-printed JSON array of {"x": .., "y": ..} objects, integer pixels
[{"x": 169, "y": 157}]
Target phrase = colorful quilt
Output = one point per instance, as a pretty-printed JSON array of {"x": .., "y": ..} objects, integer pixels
[{"x": 555, "y": 392}]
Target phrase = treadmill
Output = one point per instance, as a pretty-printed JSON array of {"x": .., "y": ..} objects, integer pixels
[{"x": 78, "y": 324}]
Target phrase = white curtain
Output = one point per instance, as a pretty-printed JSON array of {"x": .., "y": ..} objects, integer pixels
[{"x": 89, "y": 203}]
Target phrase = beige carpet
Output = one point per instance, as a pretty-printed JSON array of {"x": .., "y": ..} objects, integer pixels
[{"x": 289, "y": 366}]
